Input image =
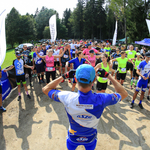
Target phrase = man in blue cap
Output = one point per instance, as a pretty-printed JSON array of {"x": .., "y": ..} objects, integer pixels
[
  {"x": 1, "y": 105},
  {"x": 84, "y": 108}
]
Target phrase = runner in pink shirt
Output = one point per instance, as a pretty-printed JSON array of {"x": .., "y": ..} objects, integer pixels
[
  {"x": 49, "y": 60},
  {"x": 86, "y": 51},
  {"x": 91, "y": 57}
]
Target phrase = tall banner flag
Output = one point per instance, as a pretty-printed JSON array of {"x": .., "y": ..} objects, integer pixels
[
  {"x": 2, "y": 36},
  {"x": 115, "y": 35},
  {"x": 148, "y": 24},
  {"x": 52, "y": 26}
]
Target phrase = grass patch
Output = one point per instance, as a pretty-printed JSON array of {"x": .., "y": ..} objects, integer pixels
[{"x": 10, "y": 56}]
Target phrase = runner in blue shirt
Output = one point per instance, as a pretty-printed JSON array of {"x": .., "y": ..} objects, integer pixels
[
  {"x": 19, "y": 65},
  {"x": 79, "y": 60},
  {"x": 84, "y": 108},
  {"x": 1, "y": 105},
  {"x": 27, "y": 60},
  {"x": 38, "y": 63},
  {"x": 143, "y": 70}
]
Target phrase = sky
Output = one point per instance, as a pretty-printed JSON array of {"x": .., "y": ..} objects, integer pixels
[{"x": 30, "y": 6}]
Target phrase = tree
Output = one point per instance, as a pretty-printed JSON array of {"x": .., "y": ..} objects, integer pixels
[
  {"x": 12, "y": 26},
  {"x": 65, "y": 21},
  {"x": 46, "y": 33},
  {"x": 27, "y": 30},
  {"x": 42, "y": 20}
]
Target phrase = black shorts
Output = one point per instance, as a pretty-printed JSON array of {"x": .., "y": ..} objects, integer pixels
[
  {"x": 129, "y": 66},
  {"x": 40, "y": 68},
  {"x": 20, "y": 78},
  {"x": 115, "y": 67},
  {"x": 57, "y": 63},
  {"x": 121, "y": 76},
  {"x": 0, "y": 89},
  {"x": 135, "y": 74},
  {"x": 101, "y": 86},
  {"x": 64, "y": 64},
  {"x": 73, "y": 55}
]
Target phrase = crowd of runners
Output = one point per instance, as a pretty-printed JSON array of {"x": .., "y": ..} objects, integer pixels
[{"x": 53, "y": 59}]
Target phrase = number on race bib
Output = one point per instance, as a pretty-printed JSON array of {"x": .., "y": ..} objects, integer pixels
[
  {"x": 65, "y": 56},
  {"x": 123, "y": 69},
  {"x": 130, "y": 53},
  {"x": 39, "y": 62},
  {"x": 116, "y": 62},
  {"x": 49, "y": 68},
  {"x": 104, "y": 78}
]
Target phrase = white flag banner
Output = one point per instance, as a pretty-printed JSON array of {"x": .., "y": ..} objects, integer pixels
[
  {"x": 52, "y": 26},
  {"x": 2, "y": 36},
  {"x": 148, "y": 24},
  {"x": 115, "y": 35}
]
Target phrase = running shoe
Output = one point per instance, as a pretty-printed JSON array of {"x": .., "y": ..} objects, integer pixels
[
  {"x": 131, "y": 105},
  {"x": 148, "y": 98},
  {"x": 29, "y": 96},
  {"x": 69, "y": 80},
  {"x": 62, "y": 81},
  {"x": 140, "y": 105},
  {"x": 2, "y": 108},
  {"x": 19, "y": 98}
]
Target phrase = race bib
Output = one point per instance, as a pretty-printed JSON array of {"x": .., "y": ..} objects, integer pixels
[
  {"x": 20, "y": 72},
  {"x": 116, "y": 62},
  {"x": 123, "y": 69},
  {"x": 65, "y": 56},
  {"x": 104, "y": 78},
  {"x": 130, "y": 53},
  {"x": 39, "y": 62},
  {"x": 49, "y": 68}
]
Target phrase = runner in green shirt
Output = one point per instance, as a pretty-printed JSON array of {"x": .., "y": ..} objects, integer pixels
[
  {"x": 101, "y": 81},
  {"x": 130, "y": 54},
  {"x": 122, "y": 63}
]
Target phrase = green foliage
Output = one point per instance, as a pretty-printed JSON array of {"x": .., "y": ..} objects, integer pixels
[
  {"x": 46, "y": 33},
  {"x": 12, "y": 26},
  {"x": 42, "y": 20},
  {"x": 27, "y": 30},
  {"x": 10, "y": 56}
]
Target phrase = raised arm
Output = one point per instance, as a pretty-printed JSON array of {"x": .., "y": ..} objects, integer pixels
[
  {"x": 39, "y": 55},
  {"x": 118, "y": 87},
  {"x": 60, "y": 55}
]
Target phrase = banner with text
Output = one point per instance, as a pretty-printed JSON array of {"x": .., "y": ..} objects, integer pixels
[
  {"x": 52, "y": 26},
  {"x": 148, "y": 24},
  {"x": 115, "y": 35},
  {"x": 2, "y": 36}
]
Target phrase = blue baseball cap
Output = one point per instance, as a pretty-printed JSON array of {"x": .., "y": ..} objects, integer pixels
[{"x": 85, "y": 73}]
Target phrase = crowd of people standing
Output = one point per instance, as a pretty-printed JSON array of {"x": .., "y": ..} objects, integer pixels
[{"x": 54, "y": 58}]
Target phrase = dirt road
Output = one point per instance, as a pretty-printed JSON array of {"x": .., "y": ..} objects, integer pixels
[{"x": 41, "y": 123}]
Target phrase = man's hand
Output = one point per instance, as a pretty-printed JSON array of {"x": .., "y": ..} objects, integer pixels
[
  {"x": 70, "y": 74},
  {"x": 5, "y": 70},
  {"x": 102, "y": 73},
  {"x": 144, "y": 78}
]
